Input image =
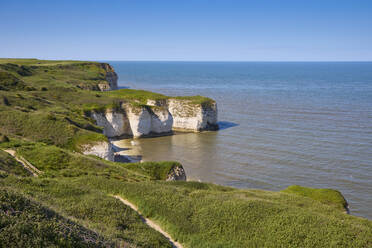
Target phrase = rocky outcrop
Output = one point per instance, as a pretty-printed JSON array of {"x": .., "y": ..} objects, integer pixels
[
  {"x": 101, "y": 149},
  {"x": 193, "y": 117},
  {"x": 114, "y": 123},
  {"x": 136, "y": 121},
  {"x": 158, "y": 117},
  {"x": 111, "y": 78},
  {"x": 177, "y": 173}
]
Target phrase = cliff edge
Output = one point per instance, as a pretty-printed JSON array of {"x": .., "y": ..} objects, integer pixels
[{"x": 156, "y": 117}]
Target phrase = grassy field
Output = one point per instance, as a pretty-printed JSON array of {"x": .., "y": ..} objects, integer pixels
[
  {"x": 195, "y": 214},
  {"x": 43, "y": 107}
]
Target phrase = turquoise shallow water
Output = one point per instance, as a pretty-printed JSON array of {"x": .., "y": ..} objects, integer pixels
[{"x": 282, "y": 123}]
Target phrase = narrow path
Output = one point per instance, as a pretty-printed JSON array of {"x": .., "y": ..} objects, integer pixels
[
  {"x": 27, "y": 165},
  {"x": 149, "y": 222}
]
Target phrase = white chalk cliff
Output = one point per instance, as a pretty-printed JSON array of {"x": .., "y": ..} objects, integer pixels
[
  {"x": 157, "y": 118},
  {"x": 101, "y": 149},
  {"x": 192, "y": 117},
  {"x": 114, "y": 123}
]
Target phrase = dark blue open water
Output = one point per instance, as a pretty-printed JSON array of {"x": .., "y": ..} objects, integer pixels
[{"x": 283, "y": 123}]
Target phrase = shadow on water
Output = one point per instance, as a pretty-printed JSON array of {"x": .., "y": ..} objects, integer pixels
[
  {"x": 119, "y": 149},
  {"x": 127, "y": 158},
  {"x": 226, "y": 124}
]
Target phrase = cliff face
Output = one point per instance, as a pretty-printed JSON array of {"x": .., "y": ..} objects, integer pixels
[
  {"x": 193, "y": 117},
  {"x": 114, "y": 123},
  {"x": 157, "y": 118},
  {"x": 101, "y": 149},
  {"x": 134, "y": 121},
  {"x": 111, "y": 77}
]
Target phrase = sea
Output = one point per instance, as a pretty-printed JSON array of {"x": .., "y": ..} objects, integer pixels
[{"x": 281, "y": 123}]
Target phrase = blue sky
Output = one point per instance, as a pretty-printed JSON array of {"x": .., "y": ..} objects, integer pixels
[{"x": 193, "y": 30}]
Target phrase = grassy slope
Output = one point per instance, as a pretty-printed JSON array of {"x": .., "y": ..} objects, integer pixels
[
  {"x": 25, "y": 223},
  {"x": 327, "y": 196},
  {"x": 59, "y": 188},
  {"x": 9, "y": 165},
  {"x": 197, "y": 214},
  {"x": 46, "y": 125},
  {"x": 202, "y": 215}
]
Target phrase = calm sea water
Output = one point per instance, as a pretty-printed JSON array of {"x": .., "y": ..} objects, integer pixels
[{"x": 282, "y": 123}]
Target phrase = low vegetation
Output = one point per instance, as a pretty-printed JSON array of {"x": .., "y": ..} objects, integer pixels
[
  {"x": 8, "y": 164},
  {"x": 71, "y": 203},
  {"x": 142, "y": 96},
  {"x": 25, "y": 223},
  {"x": 326, "y": 196}
]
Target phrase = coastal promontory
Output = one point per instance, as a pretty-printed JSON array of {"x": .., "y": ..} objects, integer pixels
[{"x": 61, "y": 187}]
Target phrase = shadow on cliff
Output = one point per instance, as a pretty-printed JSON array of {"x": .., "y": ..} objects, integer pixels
[{"x": 226, "y": 124}]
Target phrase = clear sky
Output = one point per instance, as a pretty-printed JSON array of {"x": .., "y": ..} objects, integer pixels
[{"x": 194, "y": 30}]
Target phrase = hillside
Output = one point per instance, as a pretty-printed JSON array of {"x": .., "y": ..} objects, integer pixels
[{"x": 45, "y": 118}]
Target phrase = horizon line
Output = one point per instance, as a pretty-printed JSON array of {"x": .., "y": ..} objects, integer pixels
[
  {"x": 175, "y": 60},
  {"x": 180, "y": 60}
]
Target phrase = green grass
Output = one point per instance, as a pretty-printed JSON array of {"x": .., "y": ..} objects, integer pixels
[
  {"x": 57, "y": 162},
  {"x": 25, "y": 223},
  {"x": 51, "y": 74},
  {"x": 9, "y": 165},
  {"x": 47, "y": 127},
  {"x": 202, "y": 100},
  {"x": 94, "y": 209},
  {"x": 38, "y": 62},
  {"x": 10, "y": 82},
  {"x": 327, "y": 196},
  {"x": 141, "y": 97},
  {"x": 202, "y": 215}
]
